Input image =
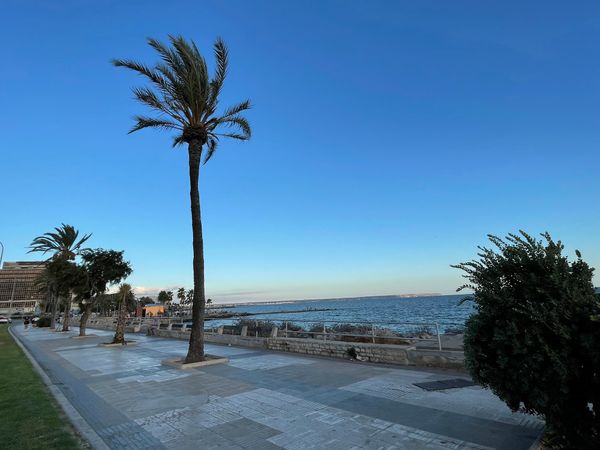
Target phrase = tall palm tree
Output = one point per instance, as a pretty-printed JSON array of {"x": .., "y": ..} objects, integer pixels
[
  {"x": 65, "y": 245},
  {"x": 185, "y": 98}
]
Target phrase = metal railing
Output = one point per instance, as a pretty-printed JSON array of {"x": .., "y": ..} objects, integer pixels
[{"x": 326, "y": 330}]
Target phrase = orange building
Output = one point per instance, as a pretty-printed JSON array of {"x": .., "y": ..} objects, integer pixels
[{"x": 153, "y": 309}]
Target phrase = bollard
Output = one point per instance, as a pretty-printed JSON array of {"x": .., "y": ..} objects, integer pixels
[{"x": 244, "y": 332}]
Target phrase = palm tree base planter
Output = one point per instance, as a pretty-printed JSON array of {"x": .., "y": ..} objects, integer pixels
[
  {"x": 117, "y": 344},
  {"x": 209, "y": 360}
]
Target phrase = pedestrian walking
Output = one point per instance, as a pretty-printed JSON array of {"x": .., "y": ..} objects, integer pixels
[
  {"x": 153, "y": 328},
  {"x": 26, "y": 323}
]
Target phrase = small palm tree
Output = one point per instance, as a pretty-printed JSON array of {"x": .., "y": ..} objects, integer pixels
[
  {"x": 65, "y": 245},
  {"x": 185, "y": 97},
  {"x": 56, "y": 282}
]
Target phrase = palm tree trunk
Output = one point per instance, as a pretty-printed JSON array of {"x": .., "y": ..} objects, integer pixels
[
  {"x": 67, "y": 320},
  {"x": 53, "y": 310},
  {"x": 87, "y": 309},
  {"x": 120, "y": 331},
  {"x": 196, "y": 347}
]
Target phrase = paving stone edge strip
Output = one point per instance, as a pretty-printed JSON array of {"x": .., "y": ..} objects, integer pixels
[{"x": 78, "y": 422}]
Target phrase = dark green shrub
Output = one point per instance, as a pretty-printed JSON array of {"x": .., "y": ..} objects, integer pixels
[
  {"x": 291, "y": 326},
  {"x": 350, "y": 328},
  {"x": 532, "y": 339},
  {"x": 43, "y": 322},
  {"x": 261, "y": 328}
]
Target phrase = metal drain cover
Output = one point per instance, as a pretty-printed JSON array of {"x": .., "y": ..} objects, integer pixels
[{"x": 440, "y": 385}]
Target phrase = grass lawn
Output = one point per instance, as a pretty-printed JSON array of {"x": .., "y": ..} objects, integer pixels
[{"x": 30, "y": 418}]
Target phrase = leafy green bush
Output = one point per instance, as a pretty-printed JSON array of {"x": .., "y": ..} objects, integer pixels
[
  {"x": 43, "y": 322},
  {"x": 532, "y": 339},
  {"x": 261, "y": 328}
]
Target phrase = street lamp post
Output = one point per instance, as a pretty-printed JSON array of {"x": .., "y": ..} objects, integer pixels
[{"x": 1, "y": 253}]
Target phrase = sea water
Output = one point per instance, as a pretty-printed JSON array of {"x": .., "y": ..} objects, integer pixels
[{"x": 393, "y": 312}]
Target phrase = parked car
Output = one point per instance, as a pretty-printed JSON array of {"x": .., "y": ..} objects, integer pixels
[{"x": 5, "y": 320}]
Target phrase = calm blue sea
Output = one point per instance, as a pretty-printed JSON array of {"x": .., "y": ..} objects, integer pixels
[{"x": 443, "y": 310}]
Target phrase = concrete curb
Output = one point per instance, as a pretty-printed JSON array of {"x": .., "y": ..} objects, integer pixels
[{"x": 78, "y": 422}]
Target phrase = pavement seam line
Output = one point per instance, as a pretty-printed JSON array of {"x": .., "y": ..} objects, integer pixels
[{"x": 76, "y": 419}]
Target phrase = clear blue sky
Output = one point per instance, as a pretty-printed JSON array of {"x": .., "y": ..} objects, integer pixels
[{"x": 389, "y": 139}]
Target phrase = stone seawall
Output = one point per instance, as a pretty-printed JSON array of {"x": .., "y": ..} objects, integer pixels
[{"x": 406, "y": 355}]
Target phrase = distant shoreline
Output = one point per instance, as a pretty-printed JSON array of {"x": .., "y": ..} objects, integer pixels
[{"x": 367, "y": 297}]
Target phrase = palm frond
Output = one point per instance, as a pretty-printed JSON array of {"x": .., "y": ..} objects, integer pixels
[
  {"x": 63, "y": 242},
  {"x": 238, "y": 122},
  {"x": 236, "y": 109},
  {"x": 178, "y": 140},
  {"x": 216, "y": 84},
  {"x": 168, "y": 56},
  {"x": 152, "y": 74},
  {"x": 149, "y": 122},
  {"x": 148, "y": 97},
  {"x": 182, "y": 91},
  {"x": 239, "y": 137},
  {"x": 211, "y": 146},
  {"x": 195, "y": 74},
  {"x": 222, "y": 59}
]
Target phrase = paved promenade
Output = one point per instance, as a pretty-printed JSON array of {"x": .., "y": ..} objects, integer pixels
[{"x": 266, "y": 400}]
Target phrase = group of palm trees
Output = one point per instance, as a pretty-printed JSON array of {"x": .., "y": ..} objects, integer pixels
[
  {"x": 60, "y": 273},
  {"x": 74, "y": 273},
  {"x": 184, "y": 97}
]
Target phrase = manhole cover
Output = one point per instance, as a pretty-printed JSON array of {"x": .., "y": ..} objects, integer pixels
[{"x": 440, "y": 385}]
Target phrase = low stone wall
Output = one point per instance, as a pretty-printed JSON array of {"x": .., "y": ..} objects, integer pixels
[
  {"x": 110, "y": 323},
  {"x": 406, "y": 355},
  {"x": 377, "y": 353}
]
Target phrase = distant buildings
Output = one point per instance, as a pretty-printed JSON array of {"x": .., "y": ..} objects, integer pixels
[{"x": 18, "y": 292}]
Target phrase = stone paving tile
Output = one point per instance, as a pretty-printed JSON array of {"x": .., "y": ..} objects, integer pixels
[
  {"x": 268, "y": 362},
  {"x": 469, "y": 401},
  {"x": 247, "y": 433},
  {"x": 109, "y": 360},
  {"x": 339, "y": 374},
  {"x": 263, "y": 400},
  {"x": 162, "y": 375},
  {"x": 207, "y": 440},
  {"x": 479, "y": 430},
  {"x": 393, "y": 386},
  {"x": 127, "y": 435}
]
